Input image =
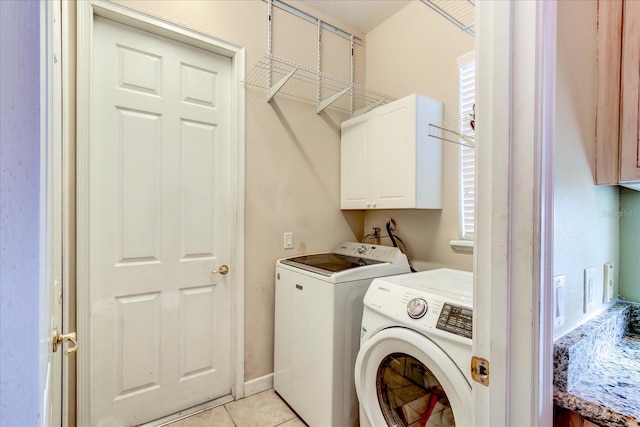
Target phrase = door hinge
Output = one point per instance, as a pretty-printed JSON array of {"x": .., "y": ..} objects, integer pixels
[
  {"x": 57, "y": 340},
  {"x": 480, "y": 370}
]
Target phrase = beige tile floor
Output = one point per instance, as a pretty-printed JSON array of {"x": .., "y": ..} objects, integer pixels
[{"x": 264, "y": 409}]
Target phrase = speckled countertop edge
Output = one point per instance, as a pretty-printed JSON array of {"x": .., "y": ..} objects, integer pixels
[
  {"x": 575, "y": 352},
  {"x": 593, "y": 412},
  {"x": 589, "y": 391}
]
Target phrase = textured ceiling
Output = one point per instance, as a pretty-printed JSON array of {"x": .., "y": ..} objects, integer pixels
[{"x": 361, "y": 15}]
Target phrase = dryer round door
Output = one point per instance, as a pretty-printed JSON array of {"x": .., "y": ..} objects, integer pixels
[{"x": 404, "y": 379}]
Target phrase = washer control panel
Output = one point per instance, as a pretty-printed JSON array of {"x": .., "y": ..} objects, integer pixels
[
  {"x": 417, "y": 307},
  {"x": 367, "y": 251},
  {"x": 455, "y": 319}
]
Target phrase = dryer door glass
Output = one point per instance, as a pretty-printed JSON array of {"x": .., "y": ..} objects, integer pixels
[{"x": 410, "y": 395}]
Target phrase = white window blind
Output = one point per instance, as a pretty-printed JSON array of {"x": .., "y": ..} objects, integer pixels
[{"x": 467, "y": 90}]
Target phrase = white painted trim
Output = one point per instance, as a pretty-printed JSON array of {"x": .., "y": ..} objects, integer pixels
[
  {"x": 86, "y": 11},
  {"x": 466, "y": 58},
  {"x": 46, "y": 389},
  {"x": 68, "y": 276},
  {"x": 51, "y": 188},
  {"x": 462, "y": 245},
  {"x": 515, "y": 123},
  {"x": 546, "y": 111},
  {"x": 84, "y": 42},
  {"x": 491, "y": 251},
  {"x": 258, "y": 385},
  {"x": 238, "y": 125}
]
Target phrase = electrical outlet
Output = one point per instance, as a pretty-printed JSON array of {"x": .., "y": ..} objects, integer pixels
[
  {"x": 608, "y": 283},
  {"x": 288, "y": 240},
  {"x": 589, "y": 297},
  {"x": 558, "y": 301}
]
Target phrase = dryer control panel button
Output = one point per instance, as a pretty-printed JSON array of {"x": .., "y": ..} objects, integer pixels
[
  {"x": 456, "y": 319},
  {"x": 416, "y": 308}
]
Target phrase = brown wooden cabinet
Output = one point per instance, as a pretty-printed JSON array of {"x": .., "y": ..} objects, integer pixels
[
  {"x": 618, "y": 92},
  {"x": 565, "y": 418}
]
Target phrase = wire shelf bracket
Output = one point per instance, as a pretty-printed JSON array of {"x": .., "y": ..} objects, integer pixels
[
  {"x": 302, "y": 82},
  {"x": 276, "y": 87},
  {"x": 456, "y": 130}
]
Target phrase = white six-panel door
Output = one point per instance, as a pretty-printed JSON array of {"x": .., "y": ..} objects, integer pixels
[{"x": 159, "y": 212}]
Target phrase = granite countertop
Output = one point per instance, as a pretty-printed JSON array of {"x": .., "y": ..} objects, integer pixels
[{"x": 597, "y": 368}]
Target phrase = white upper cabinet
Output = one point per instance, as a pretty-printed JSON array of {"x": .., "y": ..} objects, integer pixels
[{"x": 388, "y": 159}]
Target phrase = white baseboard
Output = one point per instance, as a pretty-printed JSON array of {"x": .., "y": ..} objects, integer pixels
[{"x": 258, "y": 385}]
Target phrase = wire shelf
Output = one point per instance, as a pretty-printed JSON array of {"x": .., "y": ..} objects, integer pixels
[
  {"x": 304, "y": 83},
  {"x": 459, "y": 12},
  {"x": 457, "y": 130}
]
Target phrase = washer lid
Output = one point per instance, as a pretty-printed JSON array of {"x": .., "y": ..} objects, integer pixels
[
  {"x": 441, "y": 390},
  {"x": 350, "y": 255},
  {"x": 328, "y": 263}
]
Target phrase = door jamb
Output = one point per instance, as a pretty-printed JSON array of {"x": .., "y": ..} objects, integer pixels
[
  {"x": 85, "y": 15},
  {"x": 69, "y": 321},
  {"x": 514, "y": 257},
  {"x": 51, "y": 189}
]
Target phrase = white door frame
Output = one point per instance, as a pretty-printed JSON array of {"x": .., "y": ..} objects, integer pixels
[
  {"x": 51, "y": 212},
  {"x": 86, "y": 12},
  {"x": 516, "y": 43},
  {"x": 69, "y": 320}
]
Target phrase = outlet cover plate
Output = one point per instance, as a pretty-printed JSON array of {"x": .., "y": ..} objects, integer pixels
[
  {"x": 589, "y": 291},
  {"x": 608, "y": 283},
  {"x": 558, "y": 300},
  {"x": 288, "y": 240}
]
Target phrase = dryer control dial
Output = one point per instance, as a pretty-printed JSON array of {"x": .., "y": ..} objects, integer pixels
[
  {"x": 362, "y": 249},
  {"x": 416, "y": 308}
]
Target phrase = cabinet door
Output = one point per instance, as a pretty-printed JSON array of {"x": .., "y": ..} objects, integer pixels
[
  {"x": 630, "y": 116},
  {"x": 354, "y": 167},
  {"x": 395, "y": 151},
  {"x": 608, "y": 91}
]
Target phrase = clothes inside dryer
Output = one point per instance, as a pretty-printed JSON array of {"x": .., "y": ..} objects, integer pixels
[{"x": 410, "y": 395}]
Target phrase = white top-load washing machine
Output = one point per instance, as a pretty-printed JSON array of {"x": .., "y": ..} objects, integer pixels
[
  {"x": 414, "y": 363},
  {"x": 318, "y": 313}
]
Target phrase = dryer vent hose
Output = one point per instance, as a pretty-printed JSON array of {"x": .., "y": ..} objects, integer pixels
[{"x": 391, "y": 225}]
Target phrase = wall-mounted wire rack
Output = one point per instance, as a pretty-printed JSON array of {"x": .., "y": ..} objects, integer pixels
[
  {"x": 279, "y": 75},
  {"x": 457, "y": 130},
  {"x": 459, "y": 12}
]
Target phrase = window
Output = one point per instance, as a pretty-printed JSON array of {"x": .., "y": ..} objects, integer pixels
[{"x": 467, "y": 93}]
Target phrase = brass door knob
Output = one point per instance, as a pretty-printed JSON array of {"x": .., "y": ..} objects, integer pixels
[{"x": 224, "y": 269}]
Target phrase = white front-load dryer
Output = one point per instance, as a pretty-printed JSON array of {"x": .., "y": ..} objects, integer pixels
[{"x": 413, "y": 366}]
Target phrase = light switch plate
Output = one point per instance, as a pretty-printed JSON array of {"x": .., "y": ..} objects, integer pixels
[
  {"x": 288, "y": 240},
  {"x": 608, "y": 283},
  {"x": 589, "y": 291},
  {"x": 558, "y": 301}
]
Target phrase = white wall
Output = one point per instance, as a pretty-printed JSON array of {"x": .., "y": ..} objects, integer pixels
[
  {"x": 19, "y": 213},
  {"x": 416, "y": 51},
  {"x": 585, "y": 215}
]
